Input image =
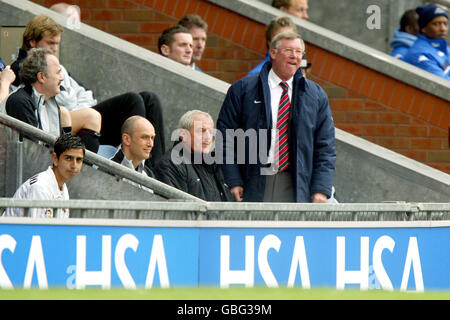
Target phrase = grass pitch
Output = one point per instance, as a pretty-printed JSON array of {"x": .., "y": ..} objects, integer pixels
[{"x": 217, "y": 294}]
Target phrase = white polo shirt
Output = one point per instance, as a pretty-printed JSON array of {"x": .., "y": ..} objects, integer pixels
[{"x": 42, "y": 186}]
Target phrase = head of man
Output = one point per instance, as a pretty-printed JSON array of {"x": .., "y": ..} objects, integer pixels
[
  {"x": 42, "y": 32},
  {"x": 298, "y": 8},
  {"x": 68, "y": 155},
  {"x": 176, "y": 43},
  {"x": 138, "y": 138},
  {"x": 279, "y": 25},
  {"x": 408, "y": 22},
  {"x": 198, "y": 29},
  {"x": 433, "y": 21},
  {"x": 196, "y": 131},
  {"x": 286, "y": 52},
  {"x": 42, "y": 70}
]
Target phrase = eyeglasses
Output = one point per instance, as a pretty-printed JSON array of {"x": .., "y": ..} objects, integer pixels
[{"x": 290, "y": 51}]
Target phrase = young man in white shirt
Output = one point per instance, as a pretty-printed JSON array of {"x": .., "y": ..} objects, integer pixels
[{"x": 68, "y": 155}]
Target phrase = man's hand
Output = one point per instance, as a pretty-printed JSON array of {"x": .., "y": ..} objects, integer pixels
[
  {"x": 237, "y": 192},
  {"x": 319, "y": 198},
  {"x": 7, "y": 76}
]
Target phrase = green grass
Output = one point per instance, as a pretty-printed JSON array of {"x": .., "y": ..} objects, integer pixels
[{"x": 217, "y": 294}]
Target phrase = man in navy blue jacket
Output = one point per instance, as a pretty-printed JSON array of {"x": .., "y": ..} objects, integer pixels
[
  {"x": 431, "y": 51},
  {"x": 249, "y": 145}
]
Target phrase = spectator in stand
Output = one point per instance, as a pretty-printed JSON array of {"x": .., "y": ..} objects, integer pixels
[
  {"x": 68, "y": 155},
  {"x": 7, "y": 77},
  {"x": 176, "y": 43},
  {"x": 297, "y": 8},
  {"x": 138, "y": 138},
  {"x": 431, "y": 52},
  {"x": 189, "y": 165},
  {"x": 276, "y": 26},
  {"x": 35, "y": 103},
  {"x": 72, "y": 12},
  {"x": 404, "y": 37},
  {"x": 44, "y": 32},
  {"x": 199, "y": 31},
  {"x": 284, "y": 125}
]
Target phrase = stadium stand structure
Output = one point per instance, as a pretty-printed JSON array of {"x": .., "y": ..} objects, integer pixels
[{"x": 365, "y": 172}]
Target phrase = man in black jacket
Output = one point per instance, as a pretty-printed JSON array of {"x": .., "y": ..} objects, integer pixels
[{"x": 188, "y": 166}]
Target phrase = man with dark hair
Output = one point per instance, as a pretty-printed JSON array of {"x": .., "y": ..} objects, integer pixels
[
  {"x": 176, "y": 43},
  {"x": 35, "y": 102},
  {"x": 44, "y": 32},
  {"x": 431, "y": 52},
  {"x": 277, "y": 132},
  {"x": 298, "y": 8},
  {"x": 68, "y": 155},
  {"x": 404, "y": 37},
  {"x": 199, "y": 30}
]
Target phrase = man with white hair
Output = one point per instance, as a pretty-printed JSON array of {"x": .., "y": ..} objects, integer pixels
[{"x": 185, "y": 166}]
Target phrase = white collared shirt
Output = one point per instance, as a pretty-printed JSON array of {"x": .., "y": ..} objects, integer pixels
[
  {"x": 42, "y": 186},
  {"x": 275, "y": 96}
]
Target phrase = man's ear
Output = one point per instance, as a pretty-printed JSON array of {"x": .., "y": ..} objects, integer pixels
[
  {"x": 284, "y": 9},
  {"x": 40, "y": 77},
  {"x": 32, "y": 43},
  {"x": 126, "y": 139},
  {"x": 272, "y": 53},
  {"x": 165, "y": 50},
  {"x": 55, "y": 159}
]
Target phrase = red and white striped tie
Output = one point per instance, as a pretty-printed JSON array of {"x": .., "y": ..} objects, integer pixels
[{"x": 282, "y": 147}]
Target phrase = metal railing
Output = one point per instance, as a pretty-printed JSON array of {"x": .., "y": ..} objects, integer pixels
[{"x": 188, "y": 210}]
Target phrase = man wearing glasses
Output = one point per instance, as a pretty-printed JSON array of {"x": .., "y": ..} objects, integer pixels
[{"x": 293, "y": 132}]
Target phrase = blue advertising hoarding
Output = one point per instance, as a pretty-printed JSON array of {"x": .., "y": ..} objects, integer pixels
[{"x": 412, "y": 256}]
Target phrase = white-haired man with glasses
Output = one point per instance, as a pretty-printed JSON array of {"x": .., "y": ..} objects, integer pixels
[{"x": 295, "y": 139}]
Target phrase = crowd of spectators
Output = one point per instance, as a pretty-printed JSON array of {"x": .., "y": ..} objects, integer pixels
[{"x": 38, "y": 90}]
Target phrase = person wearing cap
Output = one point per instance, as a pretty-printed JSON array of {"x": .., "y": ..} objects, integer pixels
[{"x": 430, "y": 52}]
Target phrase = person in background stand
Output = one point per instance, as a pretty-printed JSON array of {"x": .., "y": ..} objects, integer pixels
[
  {"x": 199, "y": 31},
  {"x": 404, "y": 37}
]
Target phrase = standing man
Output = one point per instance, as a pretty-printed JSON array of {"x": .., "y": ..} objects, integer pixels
[
  {"x": 189, "y": 166},
  {"x": 36, "y": 105},
  {"x": 68, "y": 155},
  {"x": 199, "y": 30},
  {"x": 138, "y": 139},
  {"x": 285, "y": 125},
  {"x": 176, "y": 43},
  {"x": 298, "y": 8},
  {"x": 431, "y": 52}
]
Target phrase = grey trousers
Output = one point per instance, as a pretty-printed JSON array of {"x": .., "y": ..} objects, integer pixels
[{"x": 279, "y": 188}]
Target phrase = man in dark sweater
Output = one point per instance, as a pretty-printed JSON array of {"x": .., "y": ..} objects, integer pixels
[{"x": 188, "y": 166}]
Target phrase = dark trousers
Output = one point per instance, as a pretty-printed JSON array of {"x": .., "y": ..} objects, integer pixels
[
  {"x": 279, "y": 188},
  {"x": 116, "y": 110}
]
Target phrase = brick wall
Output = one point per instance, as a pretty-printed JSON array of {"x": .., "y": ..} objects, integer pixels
[{"x": 364, "y": 102}]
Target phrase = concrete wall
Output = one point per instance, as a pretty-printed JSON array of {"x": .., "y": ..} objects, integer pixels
[
  {"x": 121, "y": 66},
  {"x": 349, "y": 17}
]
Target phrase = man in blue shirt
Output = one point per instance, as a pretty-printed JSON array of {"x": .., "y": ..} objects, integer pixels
[
  {"x": 431, "y": 51},
  {"x": 405, "y": 37}
]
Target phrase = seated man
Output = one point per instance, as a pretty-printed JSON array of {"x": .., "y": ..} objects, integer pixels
[
  {"x": 404, "y": 37},
  {"x": 138, "y": 138},
  {"x": 68, "y": 156},
  {"x": 199, "y": 31},
  {"x": 298, "y": 8},
  {"x": 431, "y": 52},
  {"x": 184, "y": 166},
  {"x": 35, "y": 102},
  {"x": 176, "y": 43},
  {"x": 44, "y": 32}
]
